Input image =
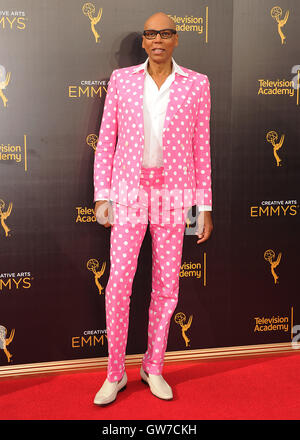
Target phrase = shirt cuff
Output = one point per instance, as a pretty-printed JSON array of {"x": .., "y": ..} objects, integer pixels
[{"x": 204, "y": 207}]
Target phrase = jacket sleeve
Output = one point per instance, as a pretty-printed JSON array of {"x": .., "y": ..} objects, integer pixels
[
  {"x": 201, "y": 149},
  {"x": 105, "y": 149}
]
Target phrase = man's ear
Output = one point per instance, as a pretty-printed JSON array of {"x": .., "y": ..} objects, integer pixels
[{"x": 176, "y": 41}]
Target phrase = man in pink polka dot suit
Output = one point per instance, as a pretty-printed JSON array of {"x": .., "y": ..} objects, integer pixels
[{"x": 152, "y": 163}]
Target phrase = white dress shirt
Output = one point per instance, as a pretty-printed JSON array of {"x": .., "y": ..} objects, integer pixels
[{"x": 155, "y": 105}]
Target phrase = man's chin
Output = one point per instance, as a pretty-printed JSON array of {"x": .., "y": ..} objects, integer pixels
[{"x": 159, "y": 57}]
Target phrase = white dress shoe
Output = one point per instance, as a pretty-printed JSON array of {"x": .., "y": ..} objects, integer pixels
[
  {"x": 109, "y": 390},
  {"x": 157, "y": 384}
]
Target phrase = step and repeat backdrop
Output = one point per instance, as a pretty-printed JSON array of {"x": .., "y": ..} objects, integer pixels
[{"x": 240, "y": 287}]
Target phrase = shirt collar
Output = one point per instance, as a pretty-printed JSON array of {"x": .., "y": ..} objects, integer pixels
[{"x": 175, "y": 68}]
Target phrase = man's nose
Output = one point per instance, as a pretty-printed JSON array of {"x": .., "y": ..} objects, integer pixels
[{"x": 158, "y": 35}]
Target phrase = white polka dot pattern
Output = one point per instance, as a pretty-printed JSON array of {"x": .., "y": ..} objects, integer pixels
[
  {"x": 167, "y": 233},
  {"x": 186, "y": 139}
]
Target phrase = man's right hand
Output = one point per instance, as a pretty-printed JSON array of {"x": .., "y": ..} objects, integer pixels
[{"x": 102, "y": 214}]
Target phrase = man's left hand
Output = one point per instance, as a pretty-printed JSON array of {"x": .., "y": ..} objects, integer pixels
[{"x": 204, "y": 226}]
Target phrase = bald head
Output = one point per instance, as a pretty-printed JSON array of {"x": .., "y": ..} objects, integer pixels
[
  {"x": 159, "y": 20},
  {"x": 159, "y": 50}
]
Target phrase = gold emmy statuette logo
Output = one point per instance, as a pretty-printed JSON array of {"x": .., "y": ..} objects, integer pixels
[
  {"x": 276, "y": 13},
  {"x": 89, "y": 9},
  {"x": 188, "y": 221},
  {"x": 92, "y": 140},
  {"x": 269, "y": 256},
  {"x": 272, "y": 137},
  {"x": 4, "y": 215},
  {"x": 4, "y": 342},
  {"x": 4, "y": 81},
  {"x": 180, "y": 318},
  {"x": 93, "y": 265}
]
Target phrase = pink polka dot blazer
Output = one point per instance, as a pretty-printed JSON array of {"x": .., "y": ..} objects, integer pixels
[{"x": 186, "y": 140}]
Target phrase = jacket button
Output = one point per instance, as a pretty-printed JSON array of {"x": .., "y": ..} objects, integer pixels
[
  {"x": 124, "y": 167},
  {"x": 126, "y": 143}
]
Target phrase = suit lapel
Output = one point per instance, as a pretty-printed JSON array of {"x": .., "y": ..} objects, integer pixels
[
  {"x": 136, "y": 99},
  {"x": 178, "y": 93}
]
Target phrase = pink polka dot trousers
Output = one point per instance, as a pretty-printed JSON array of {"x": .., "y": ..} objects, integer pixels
[{"x": 127, "y": 234}]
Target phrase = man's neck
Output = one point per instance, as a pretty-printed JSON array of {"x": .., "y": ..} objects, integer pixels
[{"x": 158, "y": 70}]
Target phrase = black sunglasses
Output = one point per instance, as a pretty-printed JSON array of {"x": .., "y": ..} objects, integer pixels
[{"x": 164, "y": 33}]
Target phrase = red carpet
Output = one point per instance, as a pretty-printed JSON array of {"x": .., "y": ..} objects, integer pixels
[{"x": 238, "y": 389}]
